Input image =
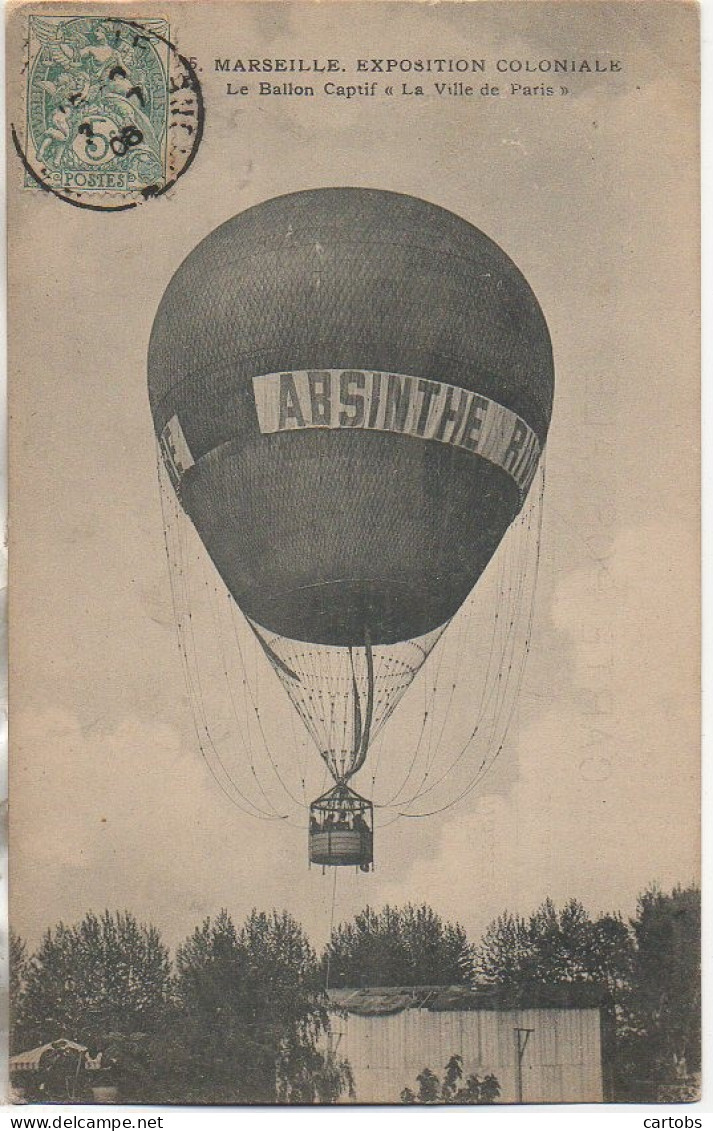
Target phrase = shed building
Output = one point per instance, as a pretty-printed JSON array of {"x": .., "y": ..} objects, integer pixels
[{"x": 547, "y": 1045}]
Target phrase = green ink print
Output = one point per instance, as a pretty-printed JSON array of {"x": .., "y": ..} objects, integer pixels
[{"x": 97, "y": 103}]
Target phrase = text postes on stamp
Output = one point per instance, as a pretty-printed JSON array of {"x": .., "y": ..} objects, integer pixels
[{"x": 114, "y": 112}]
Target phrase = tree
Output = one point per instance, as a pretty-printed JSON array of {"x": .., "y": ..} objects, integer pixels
[
  {"x": 107, "y": 973},
  {"x": 660, "y": 1030},
  {"x": 17, "y": 960},
  {"x": 254, "y": 1013},
  {"x": 451, "y": 1091},
  {"x": 651, "y": 968},
  {"x": 409, "y": 946},
  {"x": 554, "y": 946}
]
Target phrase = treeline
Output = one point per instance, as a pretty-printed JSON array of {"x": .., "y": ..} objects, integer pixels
[{"x": 239, "y": 1014}]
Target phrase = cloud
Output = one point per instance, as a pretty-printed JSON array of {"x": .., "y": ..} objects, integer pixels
[{"x": 606, "y": 799}]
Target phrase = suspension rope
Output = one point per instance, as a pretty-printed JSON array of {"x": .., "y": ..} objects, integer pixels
[
  {"x": 172, "y": 545},
  {"x": 331, "y": 929},
  {"x": 486, "y": 763}
]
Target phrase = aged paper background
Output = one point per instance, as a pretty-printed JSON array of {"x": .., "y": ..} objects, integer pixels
[{"x": 595, "y": 197}]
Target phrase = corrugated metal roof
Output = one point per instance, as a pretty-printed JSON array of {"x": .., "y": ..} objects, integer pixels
[{"x": 382, "y": 1001}]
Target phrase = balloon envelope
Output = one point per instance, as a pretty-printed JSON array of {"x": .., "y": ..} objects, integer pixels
[{"x": 351, "y": 389}]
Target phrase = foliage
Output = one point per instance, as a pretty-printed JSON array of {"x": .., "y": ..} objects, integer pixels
[
  {"x": 651, "y": 968},
  {"x": 660, "y": 1018},
  {"x": 107, "y": 973},
  {"x": 431, "y": 1090},
  {"x": 408, "y": 946},
  {"x": 244, "y": 1019},
  {"x": 254, "y": 1015},
  {"x": 554, "y": 946},
  {"x": 17, "y": 961},
  {"x": 666, "y": 980}
]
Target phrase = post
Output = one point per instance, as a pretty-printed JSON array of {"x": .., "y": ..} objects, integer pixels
[{"x": 522, "y": 1036}]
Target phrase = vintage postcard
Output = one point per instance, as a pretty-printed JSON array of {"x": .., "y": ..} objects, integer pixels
[{"x": 354, "y": 552}]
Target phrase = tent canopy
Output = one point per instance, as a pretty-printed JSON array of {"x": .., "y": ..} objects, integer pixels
[{"x": 31, "y": 1061}]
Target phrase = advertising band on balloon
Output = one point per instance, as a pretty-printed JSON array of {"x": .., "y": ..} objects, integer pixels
[{"x": 396, "y": 402}]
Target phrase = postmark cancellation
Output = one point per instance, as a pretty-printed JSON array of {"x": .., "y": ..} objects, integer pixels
[{"x": 113, "y": 111}]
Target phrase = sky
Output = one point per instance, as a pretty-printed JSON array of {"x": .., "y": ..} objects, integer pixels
[{"x": 594, "y": 196}]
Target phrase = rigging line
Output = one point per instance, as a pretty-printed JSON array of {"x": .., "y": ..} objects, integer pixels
[
  {"x": 201, "y": 712},
  {"x": 524, "y": 652},
  {"x": 391, "y": 821},
  {"x": 430, "y": 754},
  {"x": 379, "y": 729},
  {"x": 524, "y": 571},
  {"x": 491, "y": 745},
  {"x": 360, "y": 758},
  {"x": 357, "y": 718},
  {"x": 184, "y": 655},
  {"x": 194, "y": 670},
  {"x": 326, "y": 677},
  {"x": 377, "y": 752},
  {"x": 392, "y": 707},
  {"x": 418, "y": 743},
  {"x": 341, "y": 731},
  {"x": 258, "y": 716},
  {"x": 326, "y": 774},
  {"x": 538, "y": 506},
  {"x": 381, "y": 693},
  {"x": 431, "y": 685},
  {"x": 331, "y": 930},
  {"x": 460, "y": 642},
  {"x": 197, "y": 683},
  {"x": 493, "y": 643},
  {"x": 424, "y": 747},
  {"x": 217, "y": 619},
  {"x": 271, "y": 654},
  {"x": 485, "y": 769},
  {"x": 408, "y": 675},
  {"x": 444, "y": 654},
  {"x": 429, "y": 697},
  {"x": 299, "y": 746},
  {"x": 249, "y": 717},
  {"x": 178, "y": 617},
  {"x": 341, "y": 754},
  {"x": 218, "y": 629},
  {"x": 322, "y": 683},
  {"x": 504, "y": 614},
  {"x": 302, "y": 708},
  {"x": 299, "y": 697},
  {"x": 298, "y": 803},
  {"x": 517, "y": 574},
  {"x": 324, "y": 722},
  {"x": 303, "y": 700},
  {"x": 315, "y": 725}
]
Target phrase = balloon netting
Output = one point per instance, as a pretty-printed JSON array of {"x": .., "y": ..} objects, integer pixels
[{"x": 271, "y": 753}]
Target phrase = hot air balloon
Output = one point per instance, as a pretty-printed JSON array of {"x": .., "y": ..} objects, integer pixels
[{"x": 351, "y": 391}]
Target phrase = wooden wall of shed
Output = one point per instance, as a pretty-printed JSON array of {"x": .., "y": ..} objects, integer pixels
[{"x": 562, "y": 1061}]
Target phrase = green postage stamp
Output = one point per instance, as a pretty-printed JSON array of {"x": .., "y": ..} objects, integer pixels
[{"x": 97, "y": 104}]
